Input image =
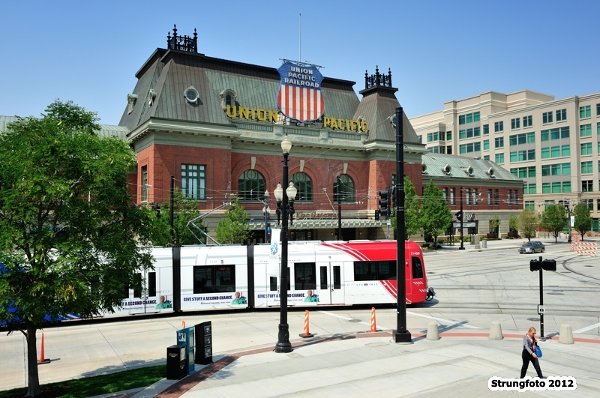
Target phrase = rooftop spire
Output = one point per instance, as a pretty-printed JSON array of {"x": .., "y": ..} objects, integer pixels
[
  {"x": 182, "y": 43},
  {"x": 378, "y": 82},
  {"x": 378, "y": 79}
]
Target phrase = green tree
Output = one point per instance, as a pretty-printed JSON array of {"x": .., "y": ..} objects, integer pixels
[
  {"x": 233, "y": 228},
  {"x": 553, "y": 220},
  {"x": 583, "y": 220},
  {"x": 435, "y": 215},
  {"x": 186, "y": 210},
  {"x": 69, "y": 238},
  {"x": 411, "y": 209},
  {"x": 528, "y": 223}
]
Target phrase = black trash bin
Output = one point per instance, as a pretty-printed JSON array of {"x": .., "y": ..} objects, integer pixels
[
  {"x": 176, "y": 362},
  {"x": 203, "y": 343}
]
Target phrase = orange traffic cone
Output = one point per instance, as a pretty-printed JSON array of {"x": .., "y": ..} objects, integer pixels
[
  {"x": 183, "y": 324},
  {"x": 373, "y": 321},
  {"x": 42, "y": 359},
  {"x": 307, "y": 332}
]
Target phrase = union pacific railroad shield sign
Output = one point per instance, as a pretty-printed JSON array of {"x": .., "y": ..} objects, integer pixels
[{"x": 299, "y": 96}]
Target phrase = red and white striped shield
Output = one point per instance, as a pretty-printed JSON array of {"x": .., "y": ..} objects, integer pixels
[{"x": 299, "y": 96}]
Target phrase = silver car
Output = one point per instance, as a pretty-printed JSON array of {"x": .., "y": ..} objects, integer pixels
[{"x": 534, "y": 246}]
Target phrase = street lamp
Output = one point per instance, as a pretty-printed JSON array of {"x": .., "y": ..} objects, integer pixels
[
  {"x": 339, "y": 203},
  {"x": 266, "y": 213},
  {"x": 285, "y": 208},
  {"x": 569, "y": 220},
  {"x": 462, "y": 217},
  {"x": 401, "y": 335}
]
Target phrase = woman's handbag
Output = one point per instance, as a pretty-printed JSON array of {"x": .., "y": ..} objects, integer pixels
[{"x": 538, "y": 351}]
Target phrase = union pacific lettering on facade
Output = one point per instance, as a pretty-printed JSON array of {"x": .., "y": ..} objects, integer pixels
[
  {"x": 272, "y": 116},
  {"x": 259, "y": 114},
  {"x": 303, "y": 83}
]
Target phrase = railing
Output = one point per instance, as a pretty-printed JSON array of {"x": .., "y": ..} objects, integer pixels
[{"x": 182, "y": 43}]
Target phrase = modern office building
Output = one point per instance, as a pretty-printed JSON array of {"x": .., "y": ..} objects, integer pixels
[{"x": 552, "y": 145}]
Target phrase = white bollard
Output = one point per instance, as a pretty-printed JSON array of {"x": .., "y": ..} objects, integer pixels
[
  {"x": 496, "y": 331},
  {"x": 566, "y": 334},
  {"x": 432, "y": 331}
]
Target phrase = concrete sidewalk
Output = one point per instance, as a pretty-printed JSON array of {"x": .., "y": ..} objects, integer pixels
[{"x": 371, "y": 364}]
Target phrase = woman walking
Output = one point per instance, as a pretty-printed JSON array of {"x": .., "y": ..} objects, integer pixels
[{"x": 528, "y": 354}]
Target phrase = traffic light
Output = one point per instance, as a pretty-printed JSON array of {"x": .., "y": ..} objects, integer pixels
[
  {"x": 384, "y": 203},
  {"x": 459, "y": 215},
  {"x": 546, "y": 265}
]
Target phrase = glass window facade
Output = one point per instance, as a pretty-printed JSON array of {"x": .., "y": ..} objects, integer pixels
[
  {"x": 193, "y": 181},
  {"x": 587, "y": 167},
  {"x": 303, "y": 184},
  {"x": 586, "y": 149},
  {"x": 585, "y": 130},
  {"x": 251, "y": 185},
  {"x": 345, "y": 190},
  {"x": 585, "y": 112}
]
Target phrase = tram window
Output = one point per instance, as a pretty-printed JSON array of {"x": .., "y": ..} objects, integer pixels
[
  {"x": 151, "y": 284},
  {"x": 273, "y": 284},
  {"x": 305, "y": 276},
  {"x": 417, "y": 268},
  {"x": 137, "y": 285},
  {"x": 323, "y": 272},
  {"x": 374, "y": 270},
  {"x": 214, "y": 278},
  {"x": 337, "y": 277}
]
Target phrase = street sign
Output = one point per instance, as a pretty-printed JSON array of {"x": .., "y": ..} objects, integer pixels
[{"x": 466, "y": 224}]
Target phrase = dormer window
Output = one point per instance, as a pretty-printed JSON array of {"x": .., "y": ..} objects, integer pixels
[
  {"x": 228, "y": 98},
  {"x": 151, "y": 97},
  {"x": 131, "y": 100},
  {"x": 191, "y": 95}
]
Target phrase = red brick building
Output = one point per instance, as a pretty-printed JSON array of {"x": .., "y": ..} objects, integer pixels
[{"x": 215, "y": 126}]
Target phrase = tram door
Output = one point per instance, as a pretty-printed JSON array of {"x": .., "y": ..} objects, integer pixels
[{"x": 330, "y": 283}]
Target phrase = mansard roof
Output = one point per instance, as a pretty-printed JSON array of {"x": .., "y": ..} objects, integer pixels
[
  {"x": 454, "y": 167},
  {"x": 168, "y": 73},
  {"x": 163, "y": 79}
]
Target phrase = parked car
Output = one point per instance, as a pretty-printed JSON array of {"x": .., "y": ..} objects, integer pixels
[{"x": 533, "y": 246}]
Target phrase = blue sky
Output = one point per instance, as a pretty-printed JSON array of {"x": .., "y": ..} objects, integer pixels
[{"x": 89, "y": 51}]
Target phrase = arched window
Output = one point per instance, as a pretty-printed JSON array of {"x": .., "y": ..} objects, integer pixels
[
  {"x": 344, "y": 187},
  {"x": 251, "y": 185},
  {"x": 303, "y": 184}
]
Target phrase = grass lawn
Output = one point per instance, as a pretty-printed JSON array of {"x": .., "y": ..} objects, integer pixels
[{"x": 97, "y": 385}]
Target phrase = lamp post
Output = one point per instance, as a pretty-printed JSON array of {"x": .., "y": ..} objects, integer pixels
[
  {"x": 462, "y": 217},
  {"x": 339, "y": 203},
  {"x": 401, "y": 335},
  {"x": 569, "y": 220},
  {"x": 266, "y": 213},
  {"x": 285, "y": 208}
]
